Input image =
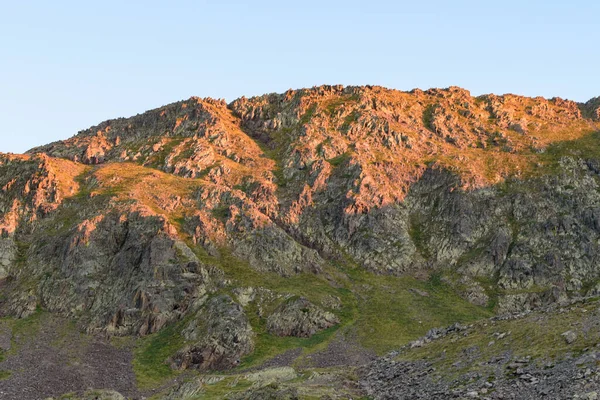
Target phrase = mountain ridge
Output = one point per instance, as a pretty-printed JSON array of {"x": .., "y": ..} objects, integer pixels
[{"x": 588, "y": 108}]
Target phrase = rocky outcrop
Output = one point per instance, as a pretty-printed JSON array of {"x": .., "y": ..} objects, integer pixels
[
  {"x": 32, "y": 187},
  {"x": 8, "y": 256},
  {"x": 592, "y": 108},
  {"x": 299, "y": 317},
  {"x": 220, "y": 334},
  {"x": 121, "y": 271},
  {"x": 192, "y": 138}
]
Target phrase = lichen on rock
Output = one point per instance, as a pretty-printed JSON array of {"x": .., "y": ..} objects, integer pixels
[
  {"x": 219, "y": 335},
  {"x": 299, "y": 317}
]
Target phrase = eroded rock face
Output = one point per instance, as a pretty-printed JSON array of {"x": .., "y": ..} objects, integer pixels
[
  {"x": 299, "y": 317},
  {"x": 122, "y": 272},
  {"x": 221, "y": 336}
]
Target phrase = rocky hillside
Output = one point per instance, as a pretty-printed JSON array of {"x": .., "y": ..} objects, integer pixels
[{"x": 313, "y": 229}]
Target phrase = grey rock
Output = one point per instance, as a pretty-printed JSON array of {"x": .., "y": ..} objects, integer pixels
[
  {"x": 269, "y": 392},
  {"x": 220, "y": 336},
  {"x": 569, "y": 336},
  {"x": 299, "y": 317}
]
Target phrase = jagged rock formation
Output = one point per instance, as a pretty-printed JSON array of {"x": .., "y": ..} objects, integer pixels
[{"x": 166, "y": 217}]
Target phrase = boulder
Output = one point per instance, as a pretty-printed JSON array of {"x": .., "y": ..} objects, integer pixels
[
  {"x": 299, "y": 317},
  {"x": 220, "y": 335}
]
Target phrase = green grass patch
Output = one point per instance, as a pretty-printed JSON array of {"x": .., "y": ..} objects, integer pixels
[
  {"x": 349, "y": 120},
  {"x": 339, "y": 160},
  {"x": 311, "y": 286},
  {"x": 25, "y": 329},
  {"x": 308, "y": 115},
  {"x": 280, "y": 177},
  {"x": 22, "y": 251},
  {"x": 396, "y": 310},
  {"x": 5, "y": 374},
  {"x": 221, "y": 212},
  {"x": 86, "y": 185},
  {"x": 152, "y": 352},
  {"x": 490, "y": 286},
  {"x": 428, "y": 117},
  {"x": 334, "y": 104}
]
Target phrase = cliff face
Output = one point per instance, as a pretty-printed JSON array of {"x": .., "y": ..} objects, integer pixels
[{"x": 141, "y": 223}]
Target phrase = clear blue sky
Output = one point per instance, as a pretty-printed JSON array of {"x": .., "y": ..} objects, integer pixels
[{"x": 67, "y": 65}]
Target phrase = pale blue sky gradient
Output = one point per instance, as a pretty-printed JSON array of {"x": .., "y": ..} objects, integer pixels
[{"x": 67, "y": 65}]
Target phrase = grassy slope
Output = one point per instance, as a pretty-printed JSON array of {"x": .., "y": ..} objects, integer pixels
[
  {"x": 151, "y": 354},
  {"x": 397, "y": 310},
  {"x": 383, "y": 312},
  {"x": 537, "y": 335}
]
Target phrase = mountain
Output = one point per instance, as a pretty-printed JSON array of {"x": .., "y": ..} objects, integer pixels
[{"x": 280, "y": 245}]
